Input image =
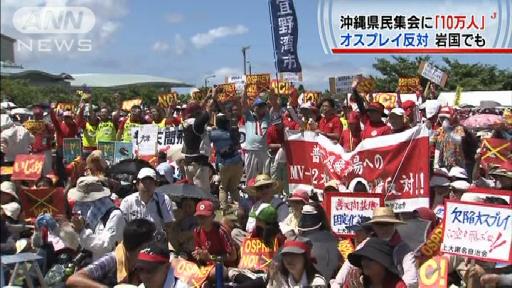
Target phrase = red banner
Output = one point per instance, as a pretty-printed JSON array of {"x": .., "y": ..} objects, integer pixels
[
  {"x": 188, "y": 272},
  {"x": 42, "y": 200},
  {"x": 496, "y": 151},
  {"x": 27, "y": 167},
  {"x": 394, "y": 164}
]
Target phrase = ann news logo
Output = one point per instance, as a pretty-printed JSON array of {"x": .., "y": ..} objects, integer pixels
[{"x": 62, "y": 28}]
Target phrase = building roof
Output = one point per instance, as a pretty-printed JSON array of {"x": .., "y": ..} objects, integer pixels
[
  {"x": 16, "y": 72},
  {"x": 104, "y": 80}
]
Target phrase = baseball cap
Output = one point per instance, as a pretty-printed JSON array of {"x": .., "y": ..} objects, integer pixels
[
  {"x": 398, "y": 111},
  {"x": 446, "y": 111},
  {"x": 146, "y": 172},
  {"x": 259, "y": 102},
  {"x": 204, "y": 208},
  {"x": 299, "y": 195},
  {"x": 267, "y": 215}
]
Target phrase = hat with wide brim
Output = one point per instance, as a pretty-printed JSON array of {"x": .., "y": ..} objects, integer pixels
[
  {"x": 262, "y": 180},
  {"x": 377, "y": 250},
  {"x": 384, "y": 215},
  {"x": 88, "y": 189}
]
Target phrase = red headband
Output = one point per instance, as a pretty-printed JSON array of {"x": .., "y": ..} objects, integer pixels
[
  {"x": 152, "y": 258},
  {"x": 297, "y": 244}
]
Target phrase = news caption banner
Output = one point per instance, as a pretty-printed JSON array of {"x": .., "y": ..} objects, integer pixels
[{"x": 347, "y": 26}]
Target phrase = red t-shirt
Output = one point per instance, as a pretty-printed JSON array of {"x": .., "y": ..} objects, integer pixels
[
  {"x": 349, "y": 141},
  {"x": 43, "y": 140},
  {"x": 62, "y": 129},
  {"x": 289, "y": 123},
  {"x": 217, "y": 241},
  {"x": 275, "y": 135},
  {"x": 330, "y": 125},
  {"x": 373, "y": 130}
]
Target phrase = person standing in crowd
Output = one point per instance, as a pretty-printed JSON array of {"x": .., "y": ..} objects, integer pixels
[
  {"x": 384, "y": 225},
  {"x": 290, "y": 225},
  {"x": 14, "y": 140},
  {"x": 43, "y": 137},
  {"x": 256, "y": 124},
  {"x": 66, "y": 128},
  {"x": 157, "y": 115},
  {"x": 330, "y": 124},
  {"x": 448, "y": 140},
  {"x": 95, "y": 217},
  {"x": 351, "y": 137},
  {"x": 106, "y": 128},
  {"x": 196, "y": 146},
  {"x": 211, "y": 239},
  {"x": 135, "y": 119},
  {"x": 295, "y": 267},
  {"x": 89, "y": 128},
  {"x": 165, "y": 169},
  {"x": 117, "y": 267},
  {"x": 147, "y": 203},
  {"x": 226, "y": 142},
  {"x": 264, "y": 190},
  {"x": 375, "y": 259},
  {"x": 397, "y": 121}
]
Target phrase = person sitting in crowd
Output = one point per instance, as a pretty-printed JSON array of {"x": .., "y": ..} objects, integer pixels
[
  {"x": 135, "y": 119},
  {"x": 210, "y": 238},
  {"x": 8, "y": 193},
  {"x": 117, "y": 267},
  {"x": 147, "y": 203},
  {"x": 95, "y": 217},
  {"x": 295, "y": 266},
  {"x": 182, "y": 230},
  {"x": 329, "y": 125},
  {"x": 165, "y": 169},
  {"x": 375, "y": 259},
  {"x": 297, "y": 200},
  {"x": 264, "y": 190},
  {"x": 351, "y": 137}
]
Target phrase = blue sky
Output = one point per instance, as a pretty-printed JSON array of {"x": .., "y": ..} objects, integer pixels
[{"x": 189, "y": 39}]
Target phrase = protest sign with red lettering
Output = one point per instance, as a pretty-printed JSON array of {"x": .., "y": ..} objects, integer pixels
[
  {"x": 255, "y": 84},
  {"x": 496, "y": 151},
  {"x": 225, "y": 92},
  {"x": 434, "y": 273},
  {"x": 432, "y": 246},
  {"x": 189, "y": 272},
  {"x": 35, "y": 127},
  {"x": 478, "y": 230},
  {"x": 347, "y": 209},
  {"x": 255, "y": 255},
  {"x": 42, "y": 200},
  {"x": 483, "y": 192},
  {"x": 27, "y": 167}
]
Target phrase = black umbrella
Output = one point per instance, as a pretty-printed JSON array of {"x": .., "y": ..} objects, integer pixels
[
  {"x": 129, "y": 166},
  {"x": 179, "y": 191}
]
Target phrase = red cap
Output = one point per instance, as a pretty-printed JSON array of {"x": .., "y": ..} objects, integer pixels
[
  {"x": 204, "y": 208},
  {"x": 376, "y": 106},
  {"x": 408, "y": 106},
  {"x": 353, "y": 118},
  {"x": 299, "y": 195},
  {"x": 446, "y": 111}
]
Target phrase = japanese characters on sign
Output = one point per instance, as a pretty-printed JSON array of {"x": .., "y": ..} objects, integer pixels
[
  {"x": 347, "y": 209},
  {"x": 168, "y": 99},
  {"x": 343, "y": 84},
  {"x": 408, "y": 84},
  {"x": 432, "y": 246},
  {"x": 72, "y": 149},
  {"x": 433, "y": 73},
  {"x": 476, "y": 230},
  {"x": 145, "y": 139},
  {"x": 285, "y": 34},
  {"x": 27, "y": 167},
  {"x": 42, "y": 200}
]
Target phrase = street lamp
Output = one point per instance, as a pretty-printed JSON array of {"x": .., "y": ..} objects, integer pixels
[
  {"x": 206, "y": 80},
  {"x": 244, "y": 49}
]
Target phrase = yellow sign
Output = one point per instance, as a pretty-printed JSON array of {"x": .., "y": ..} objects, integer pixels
[
  {"x": 255, "y": 255},
  {"x": 366, "y": 86},
  {"x": 434, "y": 273},
  {"x": 386, "y": 99},
  {"x": 225, "y": 91},
  {"x": 255, "y": 84},
  {"x": 198, "y": 95},
  {"x": 168, "y": 99},
  {"x": 345, "y": 247},
  {"x": 128, "y": 104},
  {"x": 408, "y": 84},
  {"x": 283, "y": 88},
  {"x": 66, "y": 106},
  {"x": 312, "y": 96},
  {"x": 35, "y": 127}
]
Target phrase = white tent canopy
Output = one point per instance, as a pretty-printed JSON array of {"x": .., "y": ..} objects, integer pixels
[{"x": 474, "y": 97}]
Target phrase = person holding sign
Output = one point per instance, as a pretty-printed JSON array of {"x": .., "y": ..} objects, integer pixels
[
  {"x": 351, "y": 137},
  {"x": 256, "y": 125},
  {"x": 106, "y": 128},
  {"x": 89, "y": 130},
  {"x": 157, "y": 116},
  {"x": 43, "y": 136}
]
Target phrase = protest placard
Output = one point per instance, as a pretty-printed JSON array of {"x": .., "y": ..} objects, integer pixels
[
  {"x": 35, "y": 127},
  {"x": 71, "y": 149},
  {"x": 366, "y": 85},
  {"x": 434, "y": 273},
  {"x": 123, "y": 150},
  {"x": 128, "y": 104},
  {"x": 167, "y": 100},
  {"x": 66, "y": 106},
  {"x": 255, "y": 255},
  {"x": 238, "y": 80},
  {"x": 347, "y": 209},
  {"x": 345, "y": 247},
  {"x": 478, "y": 230},
  {"x": 37, "y": 201},
  {"x": 282, "y": 88},
  {"x": 432, "y": 246},
  {"x": 27, "y": 167},
  {"x": 108, "y": 148},
  {"x": 386, "y": 99},
  {"x": 198, "y": 95},
  {"x": 225, "y": 92},
  {"x": 190, "y": 273},
  {"x": 168, "y": 137},
  {"x": 255, "y": 84},
  {"x": 145, "y": 139},
  {"x": 311, "y": 96},
  {"x": 433, "y": 73},
  {"x": 496, "y": 151},
  {"x": 408, "y": 84}
]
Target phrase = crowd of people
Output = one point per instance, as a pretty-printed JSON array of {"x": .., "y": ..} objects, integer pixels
[{"x": 133, "y": 238}]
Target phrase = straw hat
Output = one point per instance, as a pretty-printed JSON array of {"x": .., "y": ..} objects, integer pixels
[
  {"x": 384, "y": 215},
  {"x": 88, "y": 188},
  {"x": 262, "y": 180}
]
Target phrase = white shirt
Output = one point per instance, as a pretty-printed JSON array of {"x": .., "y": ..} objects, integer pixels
[
  {"x": 15, "y": 140},
  {"x": 134, "y": 208},
  {"x": 104, "y": 237}
]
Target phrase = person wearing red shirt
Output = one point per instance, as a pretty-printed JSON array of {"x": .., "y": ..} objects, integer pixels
[
  {"x": 351, "y": 137},
  {"x": 330, "y": 124},
  {"x": 66, "y": 128},
  {"x": 211, "y": 238},
  {"x": 42, "y": 138}
]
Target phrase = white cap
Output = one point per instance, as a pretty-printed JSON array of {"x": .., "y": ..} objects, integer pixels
[
  {"x": 146, "y": 172},
  {"x": 458, "y": 172},
  {"x": 12, "y": 210},
  {"x": 9, "y": 188},
  {"x": 460, "y": 185},
  {"x": 471, "y": 197},
  {"x": 397, "y": 111},
  {"x": 431, "y": 107}
]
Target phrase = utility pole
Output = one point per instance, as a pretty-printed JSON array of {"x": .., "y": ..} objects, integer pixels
[{"x": 244, "y": 49}]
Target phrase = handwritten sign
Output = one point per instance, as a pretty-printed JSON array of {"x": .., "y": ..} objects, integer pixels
[
  {"x": 108, "y": 148},
  {"x": 128, "y": 104},
  {"x": 168, "y": 99},
  {"x": 35, "y": 127},
  {"x": 496, "y": 151},
  {"x": 188, "y": 272},
  {"x": 225, "y": 91},
  {"x": 255, "y": 255},
  {"x": 433, "y": 73},
  {"x": 408, "y": 84},
  {"x": 198, "y": 95},
  {"x": 27, "y": 167},
  {"x": 72, "y": 149},
  {"x": 366, "y": 85},
  {"x": 345, "y": 247},
  {"x": 311, "y": 96},
  {"x": 476, "y": 230},
  {"x": 283, "y": 88},
  {"x": 42, "y": 200},
  {"x": 434, "y": 273},
  {"x": 255, "y": 84},
  {"x": 66, "y": 106},
  {"x": 145, "y": 139},
  {"x": 347, "y": 209},
  {"x": 432, "y": 246}
]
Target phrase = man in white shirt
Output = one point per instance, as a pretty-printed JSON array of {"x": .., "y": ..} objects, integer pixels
[{"x": 14, "y": 139}]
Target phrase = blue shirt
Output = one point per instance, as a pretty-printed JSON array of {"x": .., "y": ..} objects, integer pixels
[
  {"x": 225, "y": 149},
  {"x": 256, "y": 131}
]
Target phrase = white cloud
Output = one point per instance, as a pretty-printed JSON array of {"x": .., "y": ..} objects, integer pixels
[
  {"x": 223, "y": 72},
  {"x": 316, "y": 76},
  {"x": 160, "y": 46},
  {"x": 201, "y": 40},
  {"x": 180, "y": 44},
  {"x": 174, "y": 17}
]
